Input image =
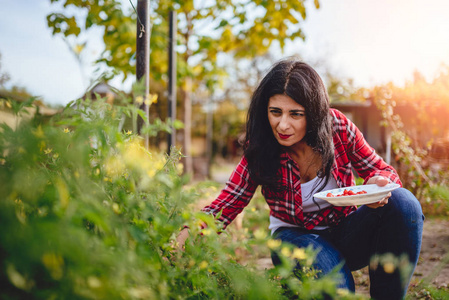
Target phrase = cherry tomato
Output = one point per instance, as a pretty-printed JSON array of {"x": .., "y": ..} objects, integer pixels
[{"x": 346, "y": 193}]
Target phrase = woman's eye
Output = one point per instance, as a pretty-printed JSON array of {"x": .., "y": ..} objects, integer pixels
[
  {"x": 275, "y": 112},
  {"x": 297, "y": 114}
]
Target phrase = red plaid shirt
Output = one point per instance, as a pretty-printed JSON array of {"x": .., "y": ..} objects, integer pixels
[{"x": 351, "y": 151}]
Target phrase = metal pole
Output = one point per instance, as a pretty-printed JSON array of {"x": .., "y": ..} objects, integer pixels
[
  {"x": 143, "y": 58},
  {"x": 172, "y": 77}
]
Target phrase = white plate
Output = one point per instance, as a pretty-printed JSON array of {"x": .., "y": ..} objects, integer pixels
[{"x": 374, "y": 193}]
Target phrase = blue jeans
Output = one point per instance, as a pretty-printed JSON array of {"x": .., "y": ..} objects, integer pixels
[{"x": 395, "y": 228}]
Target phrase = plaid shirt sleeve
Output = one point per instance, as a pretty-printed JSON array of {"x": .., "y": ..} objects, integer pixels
[
  {"x": 235, "y": 196},
  {"x": 351, "y": 148}
]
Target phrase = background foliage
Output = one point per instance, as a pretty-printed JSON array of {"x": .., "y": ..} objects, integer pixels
[{"x": 212, "y": 37}]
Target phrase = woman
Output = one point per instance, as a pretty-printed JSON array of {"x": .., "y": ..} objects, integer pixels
[{"x": 296, "y": 146}]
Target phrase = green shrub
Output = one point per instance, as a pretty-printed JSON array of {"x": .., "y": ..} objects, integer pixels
[{"x": 86, "y": 212}]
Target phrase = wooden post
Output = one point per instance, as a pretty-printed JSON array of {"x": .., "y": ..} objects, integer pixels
[
  {"x": 188, "y": 161},
  {"x": 172, "y": 77},
  {"x": 388, "y": 146},
  {"x": 209, "y": 135}
]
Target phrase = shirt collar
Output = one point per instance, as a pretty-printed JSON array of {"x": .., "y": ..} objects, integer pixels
[{"x": 285, "y": 157}]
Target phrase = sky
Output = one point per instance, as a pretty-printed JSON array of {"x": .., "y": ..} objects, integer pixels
[{"x": 372, "y": 42}]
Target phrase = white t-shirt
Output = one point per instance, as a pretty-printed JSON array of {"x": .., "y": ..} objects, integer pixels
[{"x": 308, "y": 203}]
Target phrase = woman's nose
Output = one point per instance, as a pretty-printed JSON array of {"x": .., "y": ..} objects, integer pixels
[{"x": 283, "y": 123}]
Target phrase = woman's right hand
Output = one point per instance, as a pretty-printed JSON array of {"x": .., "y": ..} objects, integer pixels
[
  {"x": 380, "y": 181},
  {"x": 182, "y": 237}
]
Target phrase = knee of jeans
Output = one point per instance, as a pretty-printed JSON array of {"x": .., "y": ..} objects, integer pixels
[{"x": 406, "y": 204}]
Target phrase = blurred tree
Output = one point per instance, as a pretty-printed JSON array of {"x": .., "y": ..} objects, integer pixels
[
  {"x": 14, "y": 93},
  {"x": 420, "y": 91},
  {"x": 4, "y": 76},
  {"x": 206, "y": 30},
  {"x": 416, "y": 114},
  {"x": 428, "y": 102},
  {"x": 344, "y": 89},
  {"x": 232, "y": 101}
]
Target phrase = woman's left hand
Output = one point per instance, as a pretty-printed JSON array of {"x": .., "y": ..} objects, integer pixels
[{"x": 380, "y": 181}]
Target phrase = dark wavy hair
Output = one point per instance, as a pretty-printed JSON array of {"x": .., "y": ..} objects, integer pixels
[{"x": 302, "y": 83}]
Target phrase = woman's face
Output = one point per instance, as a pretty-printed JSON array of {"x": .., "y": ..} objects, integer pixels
[{"x": 287, "y": 119}]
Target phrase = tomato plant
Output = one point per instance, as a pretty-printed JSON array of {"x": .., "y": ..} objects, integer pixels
[{"x": 86, "y": 212}]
